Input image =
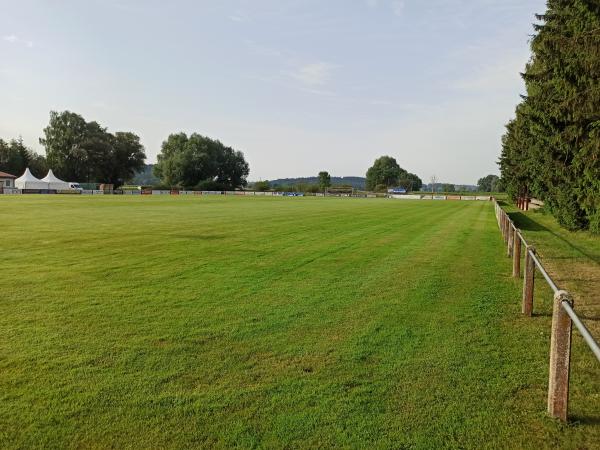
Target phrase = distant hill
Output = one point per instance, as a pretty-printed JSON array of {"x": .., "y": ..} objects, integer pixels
[
  {"x": 146, "y": 178},
  {"x": 355, "y": 182}
]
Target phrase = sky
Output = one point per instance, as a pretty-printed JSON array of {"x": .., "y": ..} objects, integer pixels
[{"x": 299, "y": 86}]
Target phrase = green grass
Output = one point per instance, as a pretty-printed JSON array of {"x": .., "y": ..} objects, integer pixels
[
  {"x": 573, "y": 258},
  {"x": 573, "y": 261},
  {"x": 160, "y": 322}
]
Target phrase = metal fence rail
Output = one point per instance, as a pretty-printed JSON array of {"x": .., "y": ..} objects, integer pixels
[
  {"x": 585, "y": 333},
  {"x": 563, "y": 314}
]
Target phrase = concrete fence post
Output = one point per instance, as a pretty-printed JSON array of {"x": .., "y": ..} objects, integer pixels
[
  {"x": 560, "y": 357},
  {"x": 528, "y": 282},
  {"x": 510, "y": 240},
  {"x": 516, "y": 254}
]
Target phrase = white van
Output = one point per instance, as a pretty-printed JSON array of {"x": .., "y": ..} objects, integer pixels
[{"x": 75, "y": 187}]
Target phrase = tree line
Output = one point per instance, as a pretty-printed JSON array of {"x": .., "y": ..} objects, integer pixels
[
  {"x": 78, "y": 150},
  {"x": 15, "y": 157},
  {"x": 385, "y": 173},
  {"x": 551, "y": 148}
]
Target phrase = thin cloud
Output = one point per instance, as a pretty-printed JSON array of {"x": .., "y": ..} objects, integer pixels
[
  {"x": 239, "y": 16},
  {"x": 310, "y": 78},
  {"x": 398, "y": 7},
  {"x": 315, "y": 74},
  {"x": 12, "y": 39}
]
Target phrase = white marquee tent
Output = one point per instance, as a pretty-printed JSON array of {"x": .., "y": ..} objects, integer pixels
[
  {"x": 28, "y": 181},
  {"x": 55, "y": 183}
]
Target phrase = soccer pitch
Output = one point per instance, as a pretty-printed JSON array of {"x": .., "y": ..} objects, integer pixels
[{"x": 179, "y": 322}]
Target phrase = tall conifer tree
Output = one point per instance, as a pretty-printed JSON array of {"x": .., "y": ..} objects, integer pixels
[{"x": 552, "y": 147}]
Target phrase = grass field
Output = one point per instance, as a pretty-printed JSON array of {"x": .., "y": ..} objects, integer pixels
[
  {"x": 573, "y": 259},
  {"x": 160, "y": 322}
]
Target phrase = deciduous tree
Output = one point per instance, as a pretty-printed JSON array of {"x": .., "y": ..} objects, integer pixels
[
  {"x": 324, "y": 180},
  {"x": 489, "y": 183},
  {"x": 262, "y": 186},
  {"x": 198, "y": 161},
  {"x": 384, "y": 171},
  {"x": 85, "y": 151},
  {"x": 410, "y": 182}
]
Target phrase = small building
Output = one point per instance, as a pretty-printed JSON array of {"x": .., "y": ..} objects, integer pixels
[{"x": 7, "y": 180}]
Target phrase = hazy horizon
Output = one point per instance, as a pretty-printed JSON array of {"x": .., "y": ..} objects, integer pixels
[{"x": 298, "y": 86}]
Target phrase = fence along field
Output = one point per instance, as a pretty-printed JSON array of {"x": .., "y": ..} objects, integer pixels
[
  {"x": 424, "y": 196},
  {"x": 563, "y": 315},
  {"x": 220, "y": 321}
]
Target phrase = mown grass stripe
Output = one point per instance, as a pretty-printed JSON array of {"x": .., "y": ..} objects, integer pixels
[{"x": 203, "y": 322}]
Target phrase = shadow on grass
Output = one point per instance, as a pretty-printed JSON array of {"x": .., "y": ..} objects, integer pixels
[
  {"x": 581, "y": 420},
  {"x": 588, "y": 317},
  {"x": 524, "y": 222}
]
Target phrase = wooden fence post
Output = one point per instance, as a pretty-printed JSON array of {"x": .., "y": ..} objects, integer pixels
[
  {"x": 560, "y": 356},
  {"x": 528, "y": 282},
  {"x": 516, "y": 254}
]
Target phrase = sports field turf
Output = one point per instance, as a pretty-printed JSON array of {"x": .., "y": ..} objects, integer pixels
[{"x": 161, "y": 322}]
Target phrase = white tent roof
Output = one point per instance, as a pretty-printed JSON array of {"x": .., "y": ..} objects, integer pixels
[
  {"x": 54, "y": 182},
  {"x": 28, "y": 181}
]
